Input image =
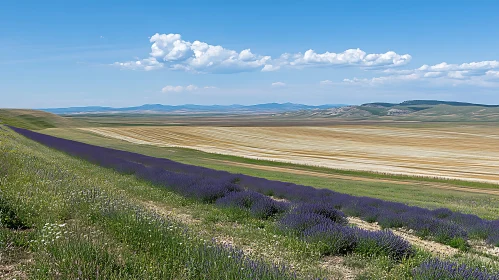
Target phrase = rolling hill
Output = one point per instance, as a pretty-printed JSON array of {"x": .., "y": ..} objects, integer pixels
[
  {"x": 190, "y": 109},
  {"x": 413, "y": 110},
  {"x": 35, "y": 120}
]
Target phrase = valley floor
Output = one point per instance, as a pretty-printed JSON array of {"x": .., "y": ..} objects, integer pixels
[{"x": 460, "y": 152}]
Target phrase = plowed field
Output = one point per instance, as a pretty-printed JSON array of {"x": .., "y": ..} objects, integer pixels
[{"x": 461, "y": 152}]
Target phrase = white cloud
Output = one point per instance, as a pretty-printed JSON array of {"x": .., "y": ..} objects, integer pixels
[
  {"x": 197, "y": 56},
  {"x": 278, "y": 84},
  {"x": 480, "y": 73},
  {"x": 270, "y": 68},
  {"x": 355, "y": 57},
  {"x": 492, "y": 74},
  {"x": 144, "y": 64},
  {"x": 167, "y": 89},
  {"x": 191, "y": 87},
  {"x": 171, "y": 51},
  {"x": 172, "y": 89},
  {"x": 382, "y": 80},
  {"x": 433, "y": 74},
  {"x": 326, "y": 82}
]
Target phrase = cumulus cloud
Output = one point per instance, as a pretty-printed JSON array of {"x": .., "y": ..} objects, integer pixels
[
  {"x": 172, "y": 52},
  {"x": 355, "y": 57},
  {"x": 326, "y": 82},
  {"x": 167, "y": 89},
  {"x": 492, "y": 74},
  {"x": 382, "y": 80},
  {"x": 278, "y": 84},
  {"x": 143, "y": 64},
  {"x": 482, "y": 73}
]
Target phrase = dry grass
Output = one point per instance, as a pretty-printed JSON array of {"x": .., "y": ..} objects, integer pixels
[{"x": 459, "y": 152}]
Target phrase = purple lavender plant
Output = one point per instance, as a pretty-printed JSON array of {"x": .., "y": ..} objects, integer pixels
[
  {"x": 375, "y": 243},
  {"x": 333, "y": 238},
  {"x": 209, "y": 185},
  {"x": 323, "y": 209},
  {"x": 436, "y": 269},
  {"x": 297, "y": 223}
]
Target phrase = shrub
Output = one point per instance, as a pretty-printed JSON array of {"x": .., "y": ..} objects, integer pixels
[
  {"x": 332, "y": 238},
  {"x": 211, "y": 190},
  {"x": 259, "y": 205},
  {"x": 297, "y": 223},
  {"x": 391, "y": 220},
  {"x": 323, "y": 209},
  {"x": 243, "y": 200},
  {"x": 382, "y": 243},
  {"x": 267, "y": 207},
  {"x": 437, "y": 270},
  {"x": 369, "y": 214},
  {"x": 494, "y": 239},
  {"x": 442, "y": 213}
]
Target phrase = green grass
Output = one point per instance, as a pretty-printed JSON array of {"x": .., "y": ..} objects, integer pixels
[
  {"x": 413, "y": 193},
  {"x": 77, "y": 213},
  {"x": 82, "y": 221},
  {"x": 448, "y": 113},
  {"x": 35, "y": 120}
]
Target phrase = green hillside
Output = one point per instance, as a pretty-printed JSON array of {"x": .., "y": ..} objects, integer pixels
[
  {"x": 416, "y": 110},
  {"x": 35, "y": 120},
  {"x": 456, "y": 113}
]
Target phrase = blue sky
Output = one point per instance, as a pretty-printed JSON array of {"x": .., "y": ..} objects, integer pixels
[{"x": 124, "y": 53}]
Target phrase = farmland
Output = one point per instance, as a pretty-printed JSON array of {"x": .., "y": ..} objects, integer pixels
[
  {"x": 378, "y": 250},
  {"x": 249, "y": 140},
  {"x": 469, "y": 197},
  {"x": 327, "y": 231},
  {"x": 463, "y": 152}
]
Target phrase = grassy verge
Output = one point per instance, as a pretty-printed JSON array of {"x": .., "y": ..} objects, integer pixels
[{"x": 84, "y": 224}]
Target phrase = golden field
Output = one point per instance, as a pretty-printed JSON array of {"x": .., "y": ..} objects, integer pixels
[{"x": 454, "y": 152}]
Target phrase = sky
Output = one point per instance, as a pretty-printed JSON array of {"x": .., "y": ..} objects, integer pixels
[{"x": 128, "y": 53}]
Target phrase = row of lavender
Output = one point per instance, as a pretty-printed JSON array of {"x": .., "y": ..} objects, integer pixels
[
  {"x": 319, "y": 222},
  {"x": 313, "y": 222},
  {"x": 443, "y": 225},
  {"x": 436, "y": 269}
]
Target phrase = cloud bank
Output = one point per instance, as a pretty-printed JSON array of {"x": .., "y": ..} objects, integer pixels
[
  {"x": 481, "y": 73},
  {"x": 167, "y": 89},
  {"x": 172, "y": 52}
]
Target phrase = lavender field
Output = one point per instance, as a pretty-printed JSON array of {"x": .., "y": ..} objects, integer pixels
[
  {"x": 249, "y": 140},
  {"x": 313, "y": 216}
]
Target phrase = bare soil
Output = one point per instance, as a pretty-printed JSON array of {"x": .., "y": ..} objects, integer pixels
[
  {"x": 457, "y": 152},
  {"x": 435, "y": 248}
]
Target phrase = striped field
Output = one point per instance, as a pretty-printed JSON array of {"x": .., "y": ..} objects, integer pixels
[{"x": 456, "y": 152}]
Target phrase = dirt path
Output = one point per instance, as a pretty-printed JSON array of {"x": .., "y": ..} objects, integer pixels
[
  {"x": 249, "y": 247},
  {"x": 335, "y": 264},
  {"x": 478, "y": 248},
  {"x": 362, "y": 179},
  {"x": 14, "y": 270},
  {"x": 430, "y": 246}
]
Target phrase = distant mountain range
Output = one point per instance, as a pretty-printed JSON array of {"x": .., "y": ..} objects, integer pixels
[
  {"x": 429, "y": 103},
  {"x": 413, "y": 110},
  {"x": 191, "y": 109}
]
